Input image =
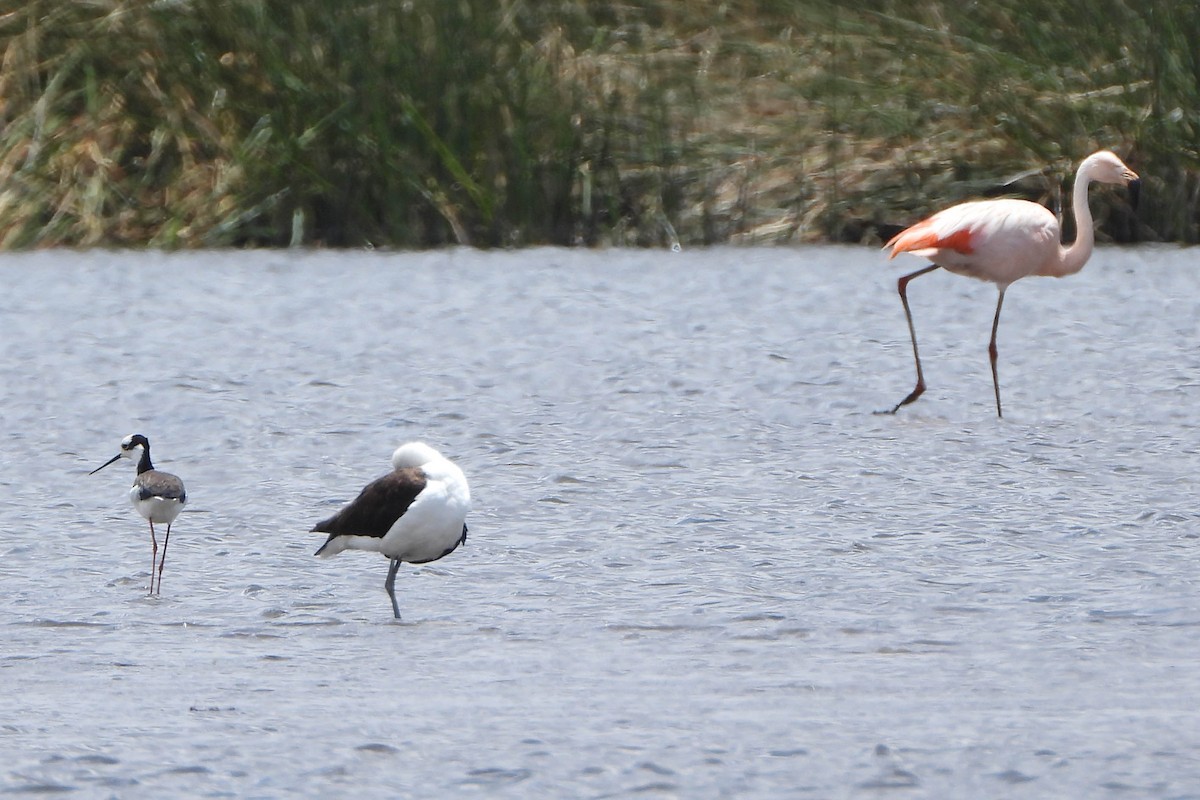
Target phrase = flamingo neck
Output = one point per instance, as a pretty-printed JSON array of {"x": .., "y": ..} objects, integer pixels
[{"x": 1071, "y": 259}]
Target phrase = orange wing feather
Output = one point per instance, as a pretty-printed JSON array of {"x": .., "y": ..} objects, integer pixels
[{"x": 922, "y": 236}]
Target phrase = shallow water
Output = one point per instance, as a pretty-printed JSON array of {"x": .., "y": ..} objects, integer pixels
[{"x": 699, "y": 565}]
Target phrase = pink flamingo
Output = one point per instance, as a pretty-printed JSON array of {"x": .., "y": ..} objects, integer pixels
[{"x": 1003, "y": 241}]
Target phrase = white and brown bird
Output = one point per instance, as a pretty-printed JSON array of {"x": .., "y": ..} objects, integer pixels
[
  {"x": 157, "y": 496},
  {"x": 416, "y": 513}
]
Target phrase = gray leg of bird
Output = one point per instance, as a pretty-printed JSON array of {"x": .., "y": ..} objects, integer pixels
[
  {"x": 390, "y": 585},
  {"x": 163, "y": 560}
]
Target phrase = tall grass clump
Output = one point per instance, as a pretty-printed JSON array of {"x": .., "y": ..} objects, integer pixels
[
  {"x": 217, "y": 122},
  {"x": 180, "y": 123},
  {"x": 934, "y": 103}
]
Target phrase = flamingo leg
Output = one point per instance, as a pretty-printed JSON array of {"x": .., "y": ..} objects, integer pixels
[
  {"x": 163, "y": 560},
  {"x": 390, "y": 585},
  {"x": 153, "y": 556},
  {"x": 902, "y": 287},
  {"x": 992, "y": 351}
]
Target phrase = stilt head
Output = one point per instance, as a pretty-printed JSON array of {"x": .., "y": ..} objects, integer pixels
[{"x": 132, "y": 446}]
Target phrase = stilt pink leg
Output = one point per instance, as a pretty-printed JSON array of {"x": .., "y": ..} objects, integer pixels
[
  {"x": 153, "y": 556},
  {"x": 163, "y": 560}
]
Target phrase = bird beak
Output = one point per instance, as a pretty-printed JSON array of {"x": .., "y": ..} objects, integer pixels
[
  {"x": 117, "y": 457},
  {"x": 1135, "y": 190}
]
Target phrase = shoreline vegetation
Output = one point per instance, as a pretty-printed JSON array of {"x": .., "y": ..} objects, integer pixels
[{"x": 502, "y": 123}]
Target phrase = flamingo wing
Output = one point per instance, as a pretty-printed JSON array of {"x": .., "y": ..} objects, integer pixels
[
  {"x": 928, "y": 237},
  {"x": 993, "y": 240}
]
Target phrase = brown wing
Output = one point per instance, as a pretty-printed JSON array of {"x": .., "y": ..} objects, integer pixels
[
  {"x": 153, "y": 483},
  {"x": 377, "y": 507}
]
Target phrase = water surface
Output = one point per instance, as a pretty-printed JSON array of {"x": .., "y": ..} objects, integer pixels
[{"x": 699, "y": 565}]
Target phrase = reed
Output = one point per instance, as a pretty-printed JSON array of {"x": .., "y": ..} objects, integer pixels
[{"x": 192, "y": 123}]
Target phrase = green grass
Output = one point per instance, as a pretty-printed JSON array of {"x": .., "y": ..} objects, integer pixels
[{"x": 188, "y": 123}]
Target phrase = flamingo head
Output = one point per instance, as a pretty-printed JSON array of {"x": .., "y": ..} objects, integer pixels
[{"x": 1105, "y": 167}]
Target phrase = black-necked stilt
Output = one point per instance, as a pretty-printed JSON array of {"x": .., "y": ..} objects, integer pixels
[
  {"x": 416, "y": 513},
  {"x": 157, "y": 496}
]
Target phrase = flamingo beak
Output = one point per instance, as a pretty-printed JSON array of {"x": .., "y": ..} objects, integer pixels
[
  {"x": 1135, "y": 190},
  {"x": 117, "y": 457}
]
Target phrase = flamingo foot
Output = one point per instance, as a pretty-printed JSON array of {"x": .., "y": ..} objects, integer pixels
[{"x": 917, "y": 391}]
